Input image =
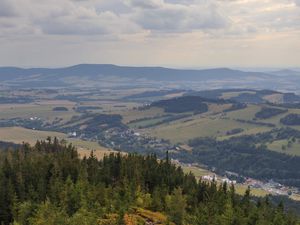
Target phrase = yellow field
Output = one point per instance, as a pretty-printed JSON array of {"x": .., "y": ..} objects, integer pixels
[
  {"x": 138, "y": 114},
  {"x": 274, "y": 98},
  {"x": 42, "y": 109},
  {"x": 227, "y": 95},
  {"x": 215, "y": 108},
  {"x": 240, "y": 189},
  {"x": 19, "y": 135},
  {"x": 197, "y": 171},
  {"x": 295, "y": 197}
]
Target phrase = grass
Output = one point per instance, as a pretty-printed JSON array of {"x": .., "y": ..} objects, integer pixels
[
  {"x": 276, "y": 119},
  {"x": 241, "y": 189},
  {"x": 228, "y": 95},
  {"x": 43, "y": 109},
  {"x": 245, "y": 114},
  {"x": 275, "y": 98},
  {"x": 248, "y": 131},
  {"x": 180, "y": 131},
  {"x": 19, "y": 135},
  {"x": 197, "y": 171},
  {"x": 294, "y": 149},
  {"x": 140, "y": 114},
  {"x": 146, "y": 122},
  {"x": 216, "y": 108}
]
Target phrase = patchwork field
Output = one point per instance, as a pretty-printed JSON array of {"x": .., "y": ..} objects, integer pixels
[
  {"x": 42, "y": 109},
  {"x": 181, "y": 131}
]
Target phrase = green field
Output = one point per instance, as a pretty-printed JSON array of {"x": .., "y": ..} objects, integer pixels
[
  {"x": 244, "y": 114},
  {"x": 181, "y": 131},
  {"x": 277, "y": 146},
  {"x": 146, "y": 122},
  {"x": 132, "y": 115}
]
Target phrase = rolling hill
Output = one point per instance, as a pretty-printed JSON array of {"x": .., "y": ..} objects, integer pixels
[{"x": 113, "y": 75}]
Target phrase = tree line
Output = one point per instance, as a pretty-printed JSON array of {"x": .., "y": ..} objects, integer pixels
[{"x": 49, "y": 183}]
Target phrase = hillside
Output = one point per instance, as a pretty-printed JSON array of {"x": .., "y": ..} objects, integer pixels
[
  {"x": 151, "y": 73},
  {"x": 258, "y": 140},
  {"x": 50, "y": 179},
  {"x": 106, "y": 75}
]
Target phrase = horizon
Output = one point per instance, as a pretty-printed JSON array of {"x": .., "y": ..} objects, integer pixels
[{"x": 246, "y": 69}]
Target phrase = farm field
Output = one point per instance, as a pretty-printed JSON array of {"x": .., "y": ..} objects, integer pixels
[
  {"x": 42, "y": 109},
  {"x": 282, "y": 146},
  {"x": 181, "y": 131},
  {"x": 244, "y": 114},
  {"x": 132, "y": 115},
  {"x": 19, "y": 135},
  {"x": 240, "y": 189},
  {"x": 197, "y": 171},
  {"x": 228, "y": 95}
]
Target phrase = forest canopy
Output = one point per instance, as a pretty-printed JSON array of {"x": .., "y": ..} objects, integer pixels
[{"x": 49, "y": 184}]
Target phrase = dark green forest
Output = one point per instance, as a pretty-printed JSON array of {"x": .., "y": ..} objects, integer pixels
[
  {"x": 291, "y": 120},
  {"x": 49, "y": 184},
  {"x": 246, "y": 156}
]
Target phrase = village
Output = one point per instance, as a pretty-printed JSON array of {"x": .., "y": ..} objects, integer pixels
[{"x": 270, "y": 186}]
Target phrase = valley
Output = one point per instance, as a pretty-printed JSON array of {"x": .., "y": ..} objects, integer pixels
[{"x": 150, "y": 121}]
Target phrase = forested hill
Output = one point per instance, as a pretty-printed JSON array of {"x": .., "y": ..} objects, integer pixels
[{"x": 49, "y": 184}]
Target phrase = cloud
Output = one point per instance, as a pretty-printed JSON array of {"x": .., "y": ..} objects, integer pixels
[
  {"x": 144, "y": 4},
  {"x": 297, "y": 2},
  {"x": 6, "y": 9},
  {"x": 70, "y": 17},
  {"x": 166, "y": 17},
  {"x": 85, "y": 23}
]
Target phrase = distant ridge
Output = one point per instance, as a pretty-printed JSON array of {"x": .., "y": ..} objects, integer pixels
[
  {"x": 152, "y": 73},
  {"x": 108, "y": 75}
]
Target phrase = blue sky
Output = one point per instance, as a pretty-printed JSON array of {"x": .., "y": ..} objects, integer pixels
[{"x": 185, "y": 33}]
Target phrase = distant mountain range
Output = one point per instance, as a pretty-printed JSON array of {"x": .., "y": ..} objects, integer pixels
[{"x": 97, "y": 73}]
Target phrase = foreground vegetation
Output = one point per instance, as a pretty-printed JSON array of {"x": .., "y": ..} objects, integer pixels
[{"x": 49, "y": 184}]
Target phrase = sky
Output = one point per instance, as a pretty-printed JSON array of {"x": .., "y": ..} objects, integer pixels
[{"x": 173, "y": 33}]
